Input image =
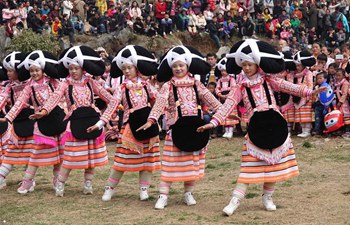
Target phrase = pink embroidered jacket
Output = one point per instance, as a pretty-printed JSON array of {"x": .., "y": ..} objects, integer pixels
[
  {"x": 225, "y": 84},
  {"x": 187, "y": 99},
  {"x": 81, "y": 95},
  {"x": 11, "y": 93},
  {"x": 137, "y": 94},
  {"x": 239, "y": 92},
  {"x": 42, "y": 93},
  {"x": 341, "y": 92}
]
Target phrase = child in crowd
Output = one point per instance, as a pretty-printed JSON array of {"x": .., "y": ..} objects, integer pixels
[
  {"x": 184, "y": 150},
  {"x": 268, "y": 155},
  {"x": 342, "y": 98},
  {"x": 318, "y": 107},
  {"x": 303, "y": 106},
  {"x": 224, "y": 85}
]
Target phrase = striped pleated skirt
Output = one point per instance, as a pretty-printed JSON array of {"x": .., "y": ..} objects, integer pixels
[
  {"x": 18, "y": 153},
  {"x": 84, "y": 154},
  {"x": 254, "y": 170},
  {"x": 46, "y": 155},
  {"x": 147, "y": 159},
  {"x": 304, "y": 113},
  {"x": 3, "y": 147},
  {"x": 289, "y": 115},
  {"x": 229, "y": 121},
  {"x": 180, "y": 166}
]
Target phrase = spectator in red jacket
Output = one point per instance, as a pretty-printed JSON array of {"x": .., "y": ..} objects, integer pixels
[{"x": 160, "y": 10}]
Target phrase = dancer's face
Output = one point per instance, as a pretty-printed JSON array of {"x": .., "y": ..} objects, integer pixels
[
  {"x": 12, "y": 74},
  {"x": 75, "y": 71},
  {"x": 36, "y": 73},
  {"x": 179, "y": 69},
  {"x": 249, "y": 68},
  {"x": 129, "y": 71}
]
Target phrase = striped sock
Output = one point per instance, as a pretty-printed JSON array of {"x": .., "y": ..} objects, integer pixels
[
  {"x": 89, "y": 174},
  {"x": 189, "y": 186},
  {"x": 164, "y": 188},
  {"x": 240, "y": 191},
  {"x": 30, "y": 172},
  {"x": 114, "y": 178},
  {"x": 145, "y": 179},
  {"x": 56, "y": 170},
  {"x": 5, "y": 169},
  {"x": 63, "y": 174},
  {"x": 269, "y": 188},
  {"x": 290, "y": 127}
]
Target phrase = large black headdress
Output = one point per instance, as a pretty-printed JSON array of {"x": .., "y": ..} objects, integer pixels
[
  {"x": 135, "y": 55},
  {"x": 192, "y": 57},
  {"x": 305, "y": 58},
  {"x": 11, "y": 62},
  {"x": 220, "y": 66},
  {"x": 258, "y": 52},
  {"x": 288, "y": 60},
  {"x": 83, "y": 56},
  {"x": 42, "y": 59}
]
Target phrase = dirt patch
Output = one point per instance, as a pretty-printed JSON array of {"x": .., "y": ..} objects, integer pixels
[{"x": 320, "y": 195}]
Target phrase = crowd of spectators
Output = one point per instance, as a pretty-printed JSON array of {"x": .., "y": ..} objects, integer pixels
[{"x": 305, "y": 22}]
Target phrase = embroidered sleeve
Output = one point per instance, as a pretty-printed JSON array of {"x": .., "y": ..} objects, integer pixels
[
  {"x": 100, "y": 91},
  {"x": 4, "y": 97},
  {"x": 19, "y": 104},
  {"x": 278, "y": 84},
  {"x": 152, "y": 93},
  {"x": 112, "y": 106},
  {"x": 161, "y": 102},
  {"x": 55, "y": 83},
  {"x": 207, "y": 97},
  {"x": 344, "y": 91},
  {"x": 55, "y": 97},
  {"x": 233, "y": 98},
  {"x": 308, "y": 80}
]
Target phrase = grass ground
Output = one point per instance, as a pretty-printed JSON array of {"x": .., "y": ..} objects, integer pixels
[{"x": 320, "y": 195}]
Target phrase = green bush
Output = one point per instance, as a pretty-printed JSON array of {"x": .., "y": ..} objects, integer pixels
[{"x": 29, "y": 41}]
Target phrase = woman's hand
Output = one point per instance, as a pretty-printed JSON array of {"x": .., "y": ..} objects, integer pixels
[
  {"x": 145, "y": 126},
  {"x": 38, "y": 115},
  {"x": 3, "y": 120},
  {"x": 319, "y": 90},
  {"x": 92, "y": 128},
  {"x": 205, "y": 127}
]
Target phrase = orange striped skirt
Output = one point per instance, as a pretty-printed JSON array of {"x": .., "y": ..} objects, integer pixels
[
  {"x": 304, "y": 113},
  {"x": 230, "y": 122},
  {"x": 84, "y": 154},
  {"x": 289, "y": 115},
  {"x": 18, "y": 153},
  {"x": 346, "y": 120},
  {"x": 148, "y": 159},
  {"x": 254, "y": 170},
  {"x": 179, "y": 166},
  {"x": 46, "y": 155}
]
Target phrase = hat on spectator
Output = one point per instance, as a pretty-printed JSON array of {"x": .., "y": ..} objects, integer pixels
[
  {"x": 82, "y": 56},
  {"x": 42, "y": 59},
  {"x": 305, "y": 58},
  {"x": 137, "y": 56},
  {"x": 11, "y": 62},
  {"x": 188, "y": 55},
  {"x": 254, "y": 51},
  {"x": 220, "y": 66}
]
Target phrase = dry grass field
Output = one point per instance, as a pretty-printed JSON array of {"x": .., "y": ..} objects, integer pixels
[{"x": 320, "y": 195}]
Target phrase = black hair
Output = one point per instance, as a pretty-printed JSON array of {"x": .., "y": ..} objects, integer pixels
[
  {"x": 322, "y": 57},
  {"x": 212, "y": 55},
  {"x": 334, "y": 65},
  {"x": 212, "y": 84},
  {"x": 341, "y": 70},
  {"x": 324, "y": 74}
]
